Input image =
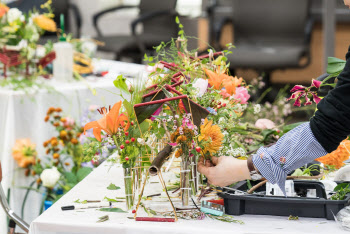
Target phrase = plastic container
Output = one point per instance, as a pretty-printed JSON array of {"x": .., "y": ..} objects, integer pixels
[{"x": 258, "y": 204}]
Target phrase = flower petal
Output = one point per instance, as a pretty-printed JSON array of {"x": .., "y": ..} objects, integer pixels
[
  {"x": 316, "y": 83},
  {"x": 316, "y": 98},
  {"x": 295, "y": 95},
  {"x": 296, "y": 88}
]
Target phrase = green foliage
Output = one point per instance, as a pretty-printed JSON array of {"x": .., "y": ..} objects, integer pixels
[
  {"x": 113, "y": 187},
  {"x": 341, "y": 191},
  {"x": 120, "y": 83}
]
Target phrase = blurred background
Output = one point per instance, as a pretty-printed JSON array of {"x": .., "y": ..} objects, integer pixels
[{"x": 284, "y": 40}]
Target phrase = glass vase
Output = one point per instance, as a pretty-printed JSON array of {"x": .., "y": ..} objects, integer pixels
[
  {"x": 128, "y": 183},
  {"x": 185, "y": 181}
]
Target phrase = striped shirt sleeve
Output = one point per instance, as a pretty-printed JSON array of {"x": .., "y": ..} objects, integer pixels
[{"x": 293, "y": 150}]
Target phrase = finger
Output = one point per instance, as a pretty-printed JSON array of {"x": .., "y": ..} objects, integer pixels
[
  {"x": 204, "y": 169},
  {"x": 208, "y": 163},
  {"x": 214, "y": 160}
]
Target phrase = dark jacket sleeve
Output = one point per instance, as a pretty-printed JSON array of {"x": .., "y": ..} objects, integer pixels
[{"x": 331, "y": 122}]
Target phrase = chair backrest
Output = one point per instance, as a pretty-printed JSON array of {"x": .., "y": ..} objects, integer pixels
[
  {"x": 270, "y": 20},
  {"x": 163, "y": 25}
]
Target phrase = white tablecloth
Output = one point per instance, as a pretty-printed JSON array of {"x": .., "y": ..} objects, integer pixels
[
  {"x": 22, "y": 116},
  {"x": 56, "y": 221}
]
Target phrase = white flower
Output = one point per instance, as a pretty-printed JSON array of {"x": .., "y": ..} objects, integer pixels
[
  {"x": 176, "y": 116},
  {"x": 201, "y": 85},
  {"x": 221, "y": 120},
  {"x": 239, "y": 107},
  {"x": 50, "y": 177},
  {"x": 104, "y": 148},
  {"x": 141, "y": 141},
  {"x": 95, "y": 158},
  {"x": 13, "y": 14},
  {"x": 257, "y": 108},
  {"x": 164, "y": 114}
]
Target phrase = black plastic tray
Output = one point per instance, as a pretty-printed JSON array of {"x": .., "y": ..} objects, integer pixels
[{"x": 257, "y": 204}]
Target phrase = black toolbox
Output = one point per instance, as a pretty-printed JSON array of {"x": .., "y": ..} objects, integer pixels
[{"x": 260, "y": 204}]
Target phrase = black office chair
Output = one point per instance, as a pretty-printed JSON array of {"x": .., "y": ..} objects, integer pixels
[
  {"x": 59, "y": 7},
  {"x": 270, "y": 35},
  {"x": 14, "y": 219},
  {"x": 158, "y": 20}
]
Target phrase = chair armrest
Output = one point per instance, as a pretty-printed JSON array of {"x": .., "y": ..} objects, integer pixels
[
  {"x": 77, "y": 17},
  {"x": 148, "y": 16},
  {"x": 98, "y": 15}
]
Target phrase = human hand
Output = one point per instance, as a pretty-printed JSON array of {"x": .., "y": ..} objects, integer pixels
[{"x": 224, "y": 171}]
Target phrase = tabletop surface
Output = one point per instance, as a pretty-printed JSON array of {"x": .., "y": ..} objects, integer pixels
[
  {"x": 94, "y": 187},
  {"x": 114, "y": 68}
]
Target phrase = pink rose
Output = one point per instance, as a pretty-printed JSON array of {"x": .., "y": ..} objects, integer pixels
[
  {"x": 241, "y": 94},
  {"x": 264, "y": 124}
]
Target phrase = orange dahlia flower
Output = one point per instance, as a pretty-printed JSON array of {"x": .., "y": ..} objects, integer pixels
[
  {"x": 24, "y": 152},
  {"x": 211, "y": 136}
]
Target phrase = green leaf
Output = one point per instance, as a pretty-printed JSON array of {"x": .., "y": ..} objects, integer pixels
[
  {"x": 335, "y": 65},
  {"x": 70, "y": 177},
  {"x": 113, "y": 187},
  {"x": 341, "y": 186},
  {"x": 120, "y": 83},
  {"x": 83, "y": 172},
  {"x": 117, "y": 210},
  {"x": 177, "y": 20},
  {"x": 110, "y": 199},
  {"x": 128, "y": 106}
]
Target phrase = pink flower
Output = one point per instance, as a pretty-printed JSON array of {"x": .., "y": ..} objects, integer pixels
[
  {"x": 265, "y": 124},
  {"x": 224, "y": 94},
  {"x": 299, "y": 91},
  {"x": 242, "y": 95}
]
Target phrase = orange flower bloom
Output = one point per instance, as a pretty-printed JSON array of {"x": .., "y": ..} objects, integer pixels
[
  {"x": 231, "y": 83},
  {"x": 110, "y": 122},
  {"x": 74, "y": 141},
  {"x": 24, "y": 152},
  {"x": 211, "y": 137},
  {"x": 47, "y": 118},
  {"x": 338, "y": 156},
  {"x": 3, "y": 9},
  {"x": 55, "y": 155},
  {"x": 219, "y": 80}
]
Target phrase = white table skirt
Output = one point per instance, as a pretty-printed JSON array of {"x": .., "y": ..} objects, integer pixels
[
  {"x": 93, "y": 187},
  {"x": 22, "y": 116}
]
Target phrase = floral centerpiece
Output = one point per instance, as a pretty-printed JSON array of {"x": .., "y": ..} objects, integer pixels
[
  {"x": 61, "y": 168},
  {"x": 192, "y": 104},
  {"x": 20, "y": 34}
]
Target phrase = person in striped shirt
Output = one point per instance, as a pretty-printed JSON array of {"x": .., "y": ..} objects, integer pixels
[{"x": 321, "y": 135}]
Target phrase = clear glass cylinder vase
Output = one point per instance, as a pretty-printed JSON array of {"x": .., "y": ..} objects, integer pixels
[
  {"x": 128, "y": 183},
  {"x": 185, "y": 181}
]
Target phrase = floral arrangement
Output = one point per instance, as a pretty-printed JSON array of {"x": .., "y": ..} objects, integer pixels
[
  {"x": 20, "y": 34},
  {"x": 61, "y": 168},
  {"x": 190, "y": 103}
]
